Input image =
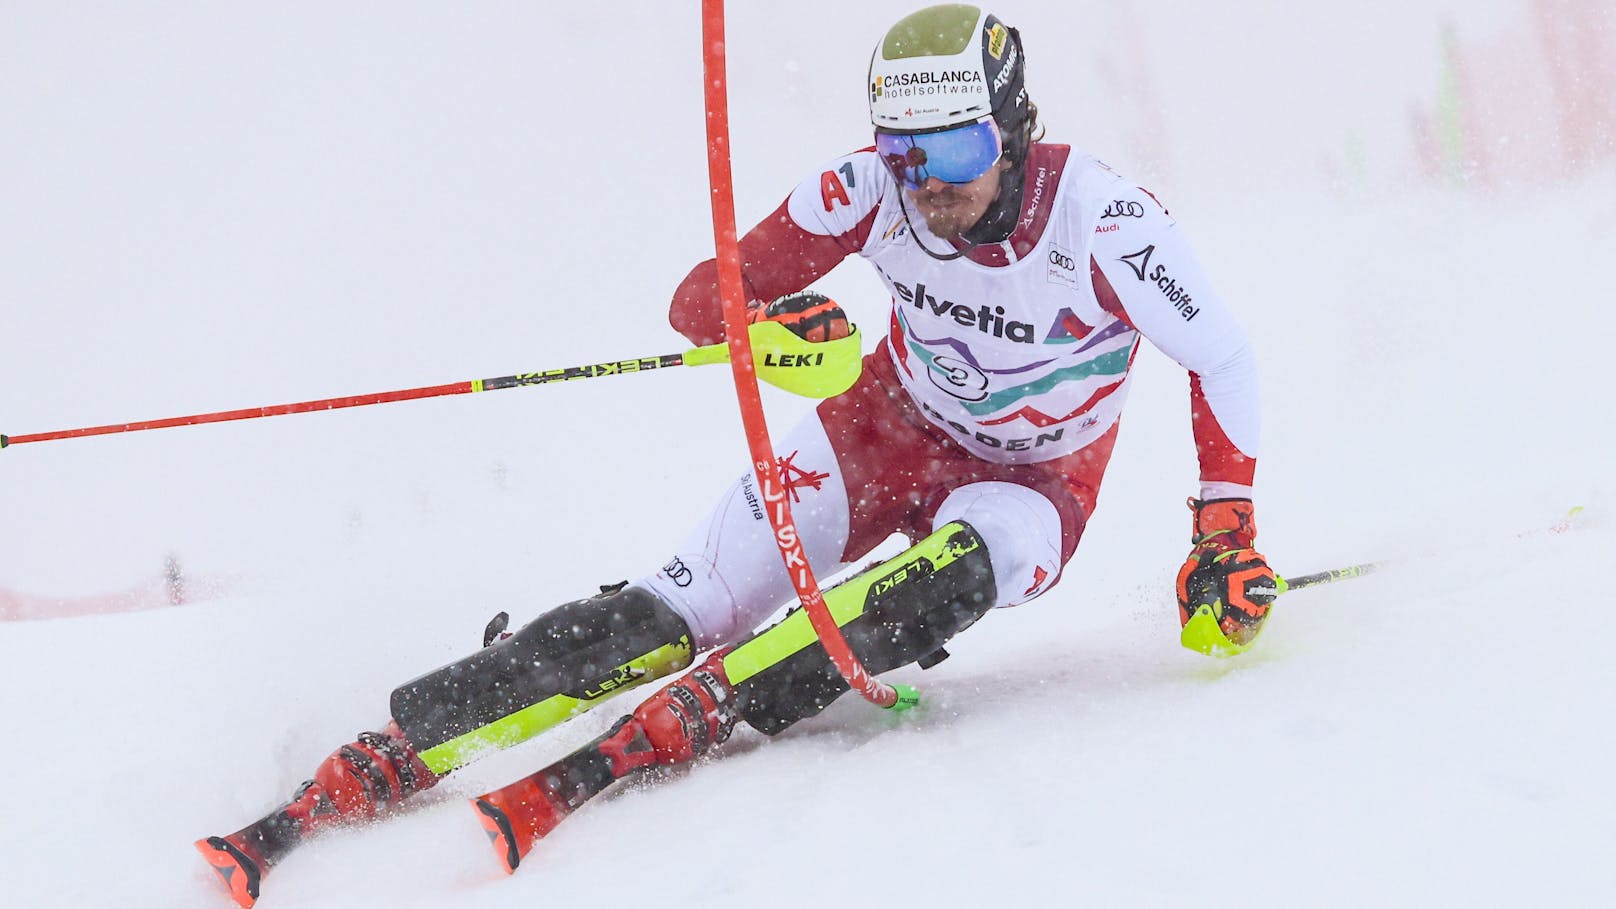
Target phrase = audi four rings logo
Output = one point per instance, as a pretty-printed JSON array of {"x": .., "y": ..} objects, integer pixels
[
  {"x": 1121, "y": 209},
  {"x": 1061, "y": 260},
  {"x": 678, "y": 572}
]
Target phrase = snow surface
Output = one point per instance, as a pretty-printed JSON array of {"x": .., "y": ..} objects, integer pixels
[{"x": 214, "y": 205}]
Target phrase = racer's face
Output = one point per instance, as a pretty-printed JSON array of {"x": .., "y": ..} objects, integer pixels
[
  {"x": 952, "y": 174},
  {"x": 951, "y": 208}
]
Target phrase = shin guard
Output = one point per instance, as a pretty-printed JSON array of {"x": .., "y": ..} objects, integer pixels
[
  {"x": 559, "y": 665},
  {"x": 899, "y": 612}
]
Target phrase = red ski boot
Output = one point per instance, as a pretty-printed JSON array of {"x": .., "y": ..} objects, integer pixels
[
  {"x": 358, "y": 781},
  {"x": 673, "y": 726}
]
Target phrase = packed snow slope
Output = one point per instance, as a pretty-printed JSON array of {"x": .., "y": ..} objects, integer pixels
[{"x": 209, "y": 206}]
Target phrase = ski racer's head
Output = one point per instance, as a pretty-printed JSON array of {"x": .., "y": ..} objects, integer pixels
[{"x": 953, "y": 123}]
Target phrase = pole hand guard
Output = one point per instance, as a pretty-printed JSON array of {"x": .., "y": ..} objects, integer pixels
[{"x": 813, "y": 369}]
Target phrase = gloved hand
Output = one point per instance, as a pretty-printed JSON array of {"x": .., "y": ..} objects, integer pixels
[
  {"x": 810, "y": 316},
  {"x": 1225, "y": 588}
]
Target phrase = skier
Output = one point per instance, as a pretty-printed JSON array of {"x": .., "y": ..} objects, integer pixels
[{"x": 1023, "y": 275}]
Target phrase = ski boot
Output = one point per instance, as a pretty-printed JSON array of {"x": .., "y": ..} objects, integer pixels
[
  {"x": 673, "y": 726},
  {"x": 358, "y": 781}
]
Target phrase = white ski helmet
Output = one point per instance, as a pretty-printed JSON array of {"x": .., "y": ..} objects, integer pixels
[{"x": 945, "y": 66}]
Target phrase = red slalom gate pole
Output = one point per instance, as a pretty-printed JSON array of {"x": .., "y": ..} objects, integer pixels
[{"x": 733, "y": 295}]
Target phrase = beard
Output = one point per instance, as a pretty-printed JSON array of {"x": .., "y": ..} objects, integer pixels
[
  {"x": 950, "y": 212},
  {"x": 945, "y": 224}
]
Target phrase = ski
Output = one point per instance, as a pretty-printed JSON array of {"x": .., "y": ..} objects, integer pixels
[
  {"x": 243, "y": 858},
  {"x": 517, "y": 816},
  {"x": 899, "y": 612}
]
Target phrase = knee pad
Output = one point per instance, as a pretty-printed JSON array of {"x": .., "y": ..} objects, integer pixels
[
  {"x": 1022, "y": 532},
  {"x": 727, "y": 578}
]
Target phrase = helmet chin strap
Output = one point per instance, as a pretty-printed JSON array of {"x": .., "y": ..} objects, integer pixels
[{"x": 922, "y": 243}]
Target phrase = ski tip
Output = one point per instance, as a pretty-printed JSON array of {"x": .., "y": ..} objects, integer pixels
[
  {"x": 239, "y": 872},
  {"x": 498, "y": 828}
]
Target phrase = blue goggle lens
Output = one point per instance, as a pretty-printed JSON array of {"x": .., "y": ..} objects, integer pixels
[{"x": 957, "y": 155}]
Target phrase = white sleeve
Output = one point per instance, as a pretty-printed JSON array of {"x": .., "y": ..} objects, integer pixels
[
  {"x": 839, "y": 200},
  {"x": 1165, "y": 293}
]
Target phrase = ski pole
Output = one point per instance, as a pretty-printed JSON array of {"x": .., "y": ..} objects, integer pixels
[
  {"x": 1570, "y": 521},
  {"x": 1329, "y": 577},
  {"x": 813, "y": 369},
  {"x": 1202, "y": 635}
]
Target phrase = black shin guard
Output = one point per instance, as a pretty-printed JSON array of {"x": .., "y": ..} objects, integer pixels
[
  {"x": 901, "y": 611},
  {"x": 559, "y": 665}
]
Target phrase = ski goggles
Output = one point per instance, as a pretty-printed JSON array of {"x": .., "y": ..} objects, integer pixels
[{"x": 958, "y": 154}]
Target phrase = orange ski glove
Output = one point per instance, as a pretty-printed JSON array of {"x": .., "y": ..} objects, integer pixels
[
  {"x": 1225, "y": 588},
  {"x": 810, "y": 316}
]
